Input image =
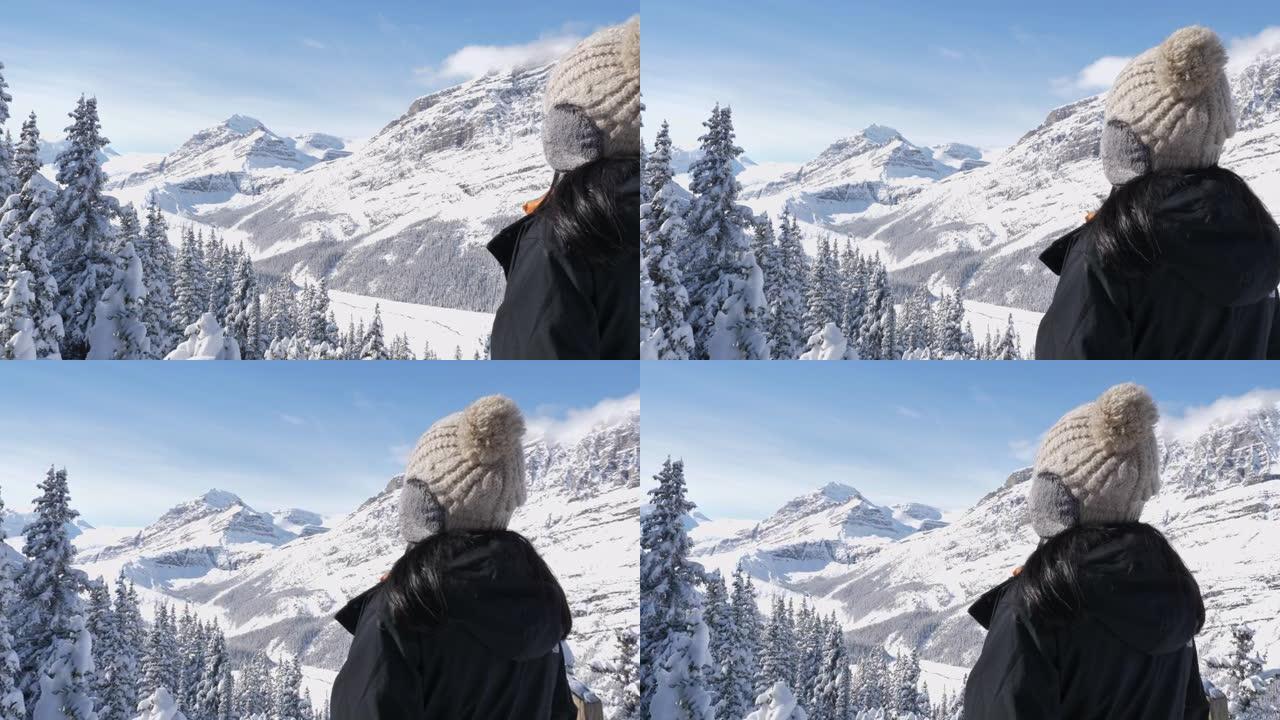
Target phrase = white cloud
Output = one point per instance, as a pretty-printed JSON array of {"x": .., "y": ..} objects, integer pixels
[
  {"x": 1194, "y": 421},
  {"x": 475, "y": 61},
  {"x": 909, "y": 412},
  {"x": 1095, "y": 77},
  {"x": 576, "y": 423},
  {"x": 1023, "y": 450},
  {"x": 314, "y": 44},
  {"x": 949, "y": 53},
  {"x": 292, "y": 419},
  {"x": 1245, "y": 50}
]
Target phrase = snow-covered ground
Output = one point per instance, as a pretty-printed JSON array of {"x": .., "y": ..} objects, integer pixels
[
  {"x": 445, "y": 328},
  {"x": 987, "y": 318}
]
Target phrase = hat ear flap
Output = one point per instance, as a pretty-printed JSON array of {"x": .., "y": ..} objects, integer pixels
[
  {"x": 1051, "y": 505},
  {"x": 421, "y": 514},
  {"x": 570, "y": 139},
  {"x": 1124, "y": 155}
]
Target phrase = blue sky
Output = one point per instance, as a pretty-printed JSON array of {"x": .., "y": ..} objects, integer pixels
[
  {"x": 753, "y": 436},
  {"x": 802, "y": 73},
  {"x": 163, "y": 70},
  {"x": 138, "y": 438}
]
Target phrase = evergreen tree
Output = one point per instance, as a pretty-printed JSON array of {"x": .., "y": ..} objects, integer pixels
[
  {"x": 777, "y": 662},
  {"x": 727, "y": 312},
  {"x": 9, "y": 183},
  {"x": 101, "y": 624},
  {"x": 720, "y": 631},
  {"x": 12, "y": 705},
  {"x": 907, "y": 700},
  {"x": 823, "y": 300},
  {"x": 1241, "y": 666},
  {"x": 787, "y": 312},
  {"x": 778, "y": 703},
  {"x": 118, "y": 332},
  {"x": 673, "y": 643},
  {"x": 832, "y": 677},
  {"x": 666, "y": 333},
  {"x": 191, "y": 295},
  {"x": 84, "y": 265},
  {"x": 853, "y": 279},
  {"x": 1008, "y": 346},
  {"x": 288, "y": 682},
  {"x": 240, "y": 321},
  {"x": 30, "y": 324},
  {"x": 48, "y": 616},
  {"x": 373, "y": 347},
  {"x": 738, "y": 667},
  {"x": 122, "y": 695},
  {"x": 427, "y": 352},
  {"x": 66, "y": 676},
  {"x": 875, "y": 331},
  {"x": 622, "y": 673},
  {"x": 157, "y": 271},
  {"x": 254, "y": 686}
]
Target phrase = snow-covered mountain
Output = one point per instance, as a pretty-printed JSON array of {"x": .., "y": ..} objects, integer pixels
[
  {"x": 682, "y": 160},
  {"x": 275, "y": 579},
  {"x": 48, "y": 151},
  {"x": 14, "y": 522},
  {"x": 1219, "y": 506},
  {"x": 235, "y": 158},
  {"x": 982, "y": 226}
]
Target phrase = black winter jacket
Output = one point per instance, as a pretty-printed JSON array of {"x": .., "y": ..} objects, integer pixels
[
  {"x": 1209, "y": 295},
  {"x": 496, "y": 656},
  {"x": 1129, "y": 656},
  {"x": 558, "y": 306}
]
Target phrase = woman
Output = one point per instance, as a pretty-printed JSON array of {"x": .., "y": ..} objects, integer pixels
[
  {"x": 468, "y": 623},
  {"x": 572, "y": 263},
  {"x": 1099, "y": 624},
  {"x": 1182, "y": 260}
]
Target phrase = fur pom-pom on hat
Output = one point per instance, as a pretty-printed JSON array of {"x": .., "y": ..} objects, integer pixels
[
  {"x": 491, "y": 429},
  {"x": 1189, "y": 60},
  {"x": 1123, "y": 417}
]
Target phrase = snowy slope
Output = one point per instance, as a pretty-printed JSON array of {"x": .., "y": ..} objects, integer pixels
[
  {"x": 1219, "y": 506},
  {"x": 275, "y": 585},
  {"x": 984, "y": 228},
  {"x": 445, "y": 328}
]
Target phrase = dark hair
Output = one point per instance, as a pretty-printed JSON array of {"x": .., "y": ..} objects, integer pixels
[
  {"x": 1122, "y": 233},
  {"x": 1049, "y": 584},
  {"x": 587, "y": 216},
  {"x": 415, "y": 586}
]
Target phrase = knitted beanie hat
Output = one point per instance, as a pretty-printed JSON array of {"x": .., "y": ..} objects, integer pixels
[
  {"x": 1098, "y": 464},
  {"x": 466, "y": 473},
  {"x": 592, "y": 102},
  {"x": 1170, "y": 108}
]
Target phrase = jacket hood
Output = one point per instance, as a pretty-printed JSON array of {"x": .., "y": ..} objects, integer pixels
[
  {"x": 1127, "y": 590},
  {"x": 1211, "y": 239},
  {"x": 495, "y": 595}
]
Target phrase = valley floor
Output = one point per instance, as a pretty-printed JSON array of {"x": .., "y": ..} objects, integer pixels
[{"x": 445, "y": 328}]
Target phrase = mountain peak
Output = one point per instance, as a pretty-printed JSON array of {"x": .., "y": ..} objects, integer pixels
[
  {"x": 880, "y": 134},
  {"x": 839, "y": 492},
  {"x": 220, "y": 499},
  {"x": 243, "y": 124}
]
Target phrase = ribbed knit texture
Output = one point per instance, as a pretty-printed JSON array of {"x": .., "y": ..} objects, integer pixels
[
  {"x": 471, "y": 464},
  {"x": 1176, "y": 98},
  {"x": 601, "y": 76},
  {"x": 1105, "y": 454}
]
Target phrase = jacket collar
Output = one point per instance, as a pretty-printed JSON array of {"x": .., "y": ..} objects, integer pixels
[
  {"x": 985, "y": 607},
  {"x": 349, "y": 616},
  {"x": 1055, "y": 256},
  {"x": 503, "y": 246}
]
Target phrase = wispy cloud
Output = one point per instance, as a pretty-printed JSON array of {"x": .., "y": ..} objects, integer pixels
[
  {"x": 475, "y": 61},
  {"x": 1094, "y": 77},
  {"x": 292, "y": 419},
  {"x": 949, "y": 53},
  {"x": 1245, "y": 50},
  {"x": 575, "y": 423},
  {"x": 1024, "y": 450},
  {"x": 313, "y": 43},
  {"x": 1191, "y": 422},
  {"x": 908, "y": 412}
]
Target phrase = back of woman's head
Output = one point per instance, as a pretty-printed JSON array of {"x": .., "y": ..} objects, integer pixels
[
  {"x": 1051, "y": 587},
  {"x": 594, "y": 212},
  {"x": 417, "y": 586},
  {"x": 1123, "y": 234}
]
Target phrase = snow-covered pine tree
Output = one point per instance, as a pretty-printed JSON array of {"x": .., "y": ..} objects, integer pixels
[
  {"x": 287, "y": 701},
  {"x": 157, "y": 272},
  {"x": 240, "y": 306},
  {"x": 255, "y": 686},
  {"x": 832, "y": 675},
  {"x": 890, "y": 349},
  {"x": 101, "y": 622},
  {"x": 30, "y": 325},
  {"x": 787, "y": 309},
  {"x": 907, "y": 692},
  {"x": 8, "y": 182},
  {"x": 727, "y": 304},
  {"x": 622, "y": 673},
  {"x": 373, "y": 346},
  {"x": 83, "y": 263},
  {"x": 775, "y": 662},
  {"x": 853, "y": 278},
  {"x": 1008, "y": 347},
  {"x": 764, "y": 245},
  {"x": 738, "y": 667},
  {"x": 12, "y": 705},
  {"x": 718, "y": 617},
  {"x": 1241, "y": 666},
  {"x": 159, "y": 705},
  {"x": 118, "y": 331},
  {"x": 191, "y": 295},
  {"x": 191, "y": 649},
  {"x": 673, "y": 643},
  {"x": 874, "y": 330},
  {"x": 823, "y": 302},
  {"x": 48, "y": 600},
  {"x": 777, "y": 703},
  {"x": 663, "y": 232},
  {"x": 427, "y": 352},
  {"x": 121, "y": 698},
  {"x": 66, "y": 676}
]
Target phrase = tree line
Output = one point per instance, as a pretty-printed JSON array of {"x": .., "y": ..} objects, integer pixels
[{"x": 719, "y": 282}]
